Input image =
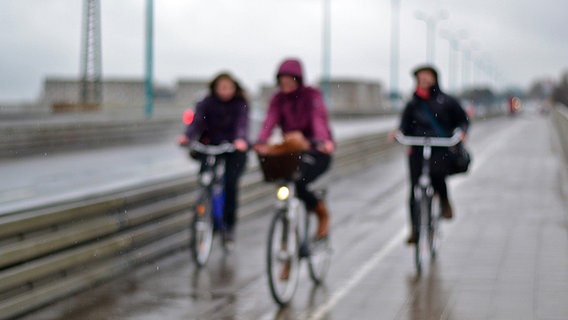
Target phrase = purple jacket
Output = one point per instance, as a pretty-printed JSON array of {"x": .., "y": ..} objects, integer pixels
[
  {"x": 303, "y": 110},
  {"x": 219, "y": 120}
]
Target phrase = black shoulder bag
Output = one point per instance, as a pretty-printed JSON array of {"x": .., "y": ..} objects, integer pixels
[{"x": 460, "y": 158}]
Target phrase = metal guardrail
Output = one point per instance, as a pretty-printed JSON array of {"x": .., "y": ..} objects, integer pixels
[
  {"x": 50, "y": 253},
  {"x": 560, "y": 121},
  {"x": 26, "y": 138}
]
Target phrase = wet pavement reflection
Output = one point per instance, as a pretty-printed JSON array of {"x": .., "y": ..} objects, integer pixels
[{"x": 504, "y": 256}]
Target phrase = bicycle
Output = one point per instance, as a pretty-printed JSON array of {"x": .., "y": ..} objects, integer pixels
[
  {"x": 427, "y": 202},
  {"x": 289, "y": 240},
  {"x": 208, "y": 210}
]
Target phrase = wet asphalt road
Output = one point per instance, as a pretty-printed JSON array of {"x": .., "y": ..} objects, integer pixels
[{"x": 505, "y": 255}]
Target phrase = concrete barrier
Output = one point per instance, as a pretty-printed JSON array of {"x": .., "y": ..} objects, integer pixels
[{"x": 51, "y": 253}]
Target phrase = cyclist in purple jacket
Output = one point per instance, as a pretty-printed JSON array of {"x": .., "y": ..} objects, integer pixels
[
  {"x": 301, "y": 114},
  {"x": 222, "y": 116}
]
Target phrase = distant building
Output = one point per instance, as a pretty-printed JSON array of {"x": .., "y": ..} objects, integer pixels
[
  {"x": 125, "y": 93},
  {"x": 189, "y": 91},
  {"x": 347, "y": 97}
]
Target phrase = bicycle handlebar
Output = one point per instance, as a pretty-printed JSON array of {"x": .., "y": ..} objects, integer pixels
[
  {"x": 430, "y": 141},
  {"x": 212, "y": 150}
]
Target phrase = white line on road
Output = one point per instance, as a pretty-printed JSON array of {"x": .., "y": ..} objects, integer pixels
[
  {"x": 356, "y": 278},
  {"x": 479, "y": 159}
]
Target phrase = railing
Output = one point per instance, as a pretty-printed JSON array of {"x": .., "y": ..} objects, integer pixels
[
  {"x": 560, "y": 121},
  {"x": 23, "y": 138},
  {"x": 51, "y": 253}
]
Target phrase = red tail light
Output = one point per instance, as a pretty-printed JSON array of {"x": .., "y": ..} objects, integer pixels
[{"x": 188, "y": 116}]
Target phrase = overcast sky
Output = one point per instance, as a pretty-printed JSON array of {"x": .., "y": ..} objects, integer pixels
[{"x": 521, "y": 40}]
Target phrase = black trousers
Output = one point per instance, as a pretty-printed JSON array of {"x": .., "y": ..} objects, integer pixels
[
  {"x": 313, "y": 165},
  {"x": 235, "y": 164},
  {"x": 439, "y": 162}
]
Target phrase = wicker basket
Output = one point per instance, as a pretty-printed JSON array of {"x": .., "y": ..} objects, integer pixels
[{"x": 280, "y": 167}]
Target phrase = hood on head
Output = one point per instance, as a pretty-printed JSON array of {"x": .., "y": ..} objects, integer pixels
[{"x": 291, "y": 67}]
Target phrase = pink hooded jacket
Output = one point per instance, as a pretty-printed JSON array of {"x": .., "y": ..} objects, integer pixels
[{"x": 303, "y": 110}]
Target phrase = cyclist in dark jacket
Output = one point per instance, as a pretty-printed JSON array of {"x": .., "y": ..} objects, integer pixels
[
  {"x": 431, "y": 113},
  {"x": 222, "y": 116}
]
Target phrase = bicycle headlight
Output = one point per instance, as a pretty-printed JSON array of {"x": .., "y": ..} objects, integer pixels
[{"x": 283, "y": 193}]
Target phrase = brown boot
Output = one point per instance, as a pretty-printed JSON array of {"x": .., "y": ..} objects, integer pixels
[
  {"x": 447, "y": 212},
  {"x": 285, "y": 272},
  {"x": 323, "y": 219}
]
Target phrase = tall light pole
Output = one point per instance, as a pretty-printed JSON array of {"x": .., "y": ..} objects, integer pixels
[
  {"x": 149, "y": 83},
  {"x": 395, "y": 31},
  {"x": 454, "y": 40},
  {"x": 326, "y": 49},
  {"x": 466, "y": 64},
  {"x": 431, "y": 21},
  {"x": 91, "y": 70}
]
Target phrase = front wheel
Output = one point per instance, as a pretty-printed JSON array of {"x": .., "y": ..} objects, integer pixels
[
  {"x": 319, "y": 259},
  {"x": 434, "y": 235},
  {"x": 422, "y": 241},
  {"x": 202, "y": 231},
  {"x": 283, "y": 264}
]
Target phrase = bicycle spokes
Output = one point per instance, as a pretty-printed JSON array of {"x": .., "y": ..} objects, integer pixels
[
  {"x": 202, "y": 232},
  {"x": 283, "y": 259}
]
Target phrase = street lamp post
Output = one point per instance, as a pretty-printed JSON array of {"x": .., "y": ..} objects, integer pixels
[
  {"x": 431, "y": 21},
  {"x": 466, "y": 65},
  {"x": 326, "y": 49},
  {"x": 149, "y": 83},
  {"x": 454, "y": 40},
  {"x": 395, "y": 24}
]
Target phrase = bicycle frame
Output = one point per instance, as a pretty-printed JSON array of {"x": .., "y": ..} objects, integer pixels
[
  {"x": 425, "y": 222},
  {"x": 208, "y": 213},
  {"x": 289, "y": 240},
  {"x": 295, "y": 216},
  {"x": 212, "y": 182}
]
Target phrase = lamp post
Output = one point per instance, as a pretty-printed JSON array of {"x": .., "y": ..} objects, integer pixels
[
  {"x": 454, "y": 40},
  {"x": 466, "y": 64},
  {"x": 395, "y": 25},
  {"x": 149, "y": 83},
  {"x": 326, "y": 48},
  {"x": 431, "y": 21}
]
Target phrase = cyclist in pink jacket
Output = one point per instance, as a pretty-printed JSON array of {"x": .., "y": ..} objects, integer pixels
[{"x": 301, "y": 114}]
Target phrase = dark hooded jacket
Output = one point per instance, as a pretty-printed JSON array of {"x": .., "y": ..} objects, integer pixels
[
  {"x": 446, "y": 110},
  {"x": 303, "y": 110},
  {"x": 219, "y": 120}
]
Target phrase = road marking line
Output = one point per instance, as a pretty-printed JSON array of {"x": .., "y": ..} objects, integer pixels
[{"x": 356, "y": 278}]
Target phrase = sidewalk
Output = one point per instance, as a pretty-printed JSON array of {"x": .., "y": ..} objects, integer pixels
[{"x": 50, "y": 178}]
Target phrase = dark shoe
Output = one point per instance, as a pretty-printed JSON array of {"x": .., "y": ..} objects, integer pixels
[
  {"x": 323, "y": 220},
  {"x": 447, "y": 212},
  {"x": 412, "y": 239},
  {"x": 229, "y": 240}
]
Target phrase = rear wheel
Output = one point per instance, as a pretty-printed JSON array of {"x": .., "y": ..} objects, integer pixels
[
  {"x": 202, "y": 231},
  {"x": 422, "y": 241},
  {"x": 283, "y": 263},
  {"x": 320, "y": 251}
]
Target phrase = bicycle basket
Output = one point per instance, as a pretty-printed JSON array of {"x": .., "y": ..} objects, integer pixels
[{"x": 278, "y": 167}]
